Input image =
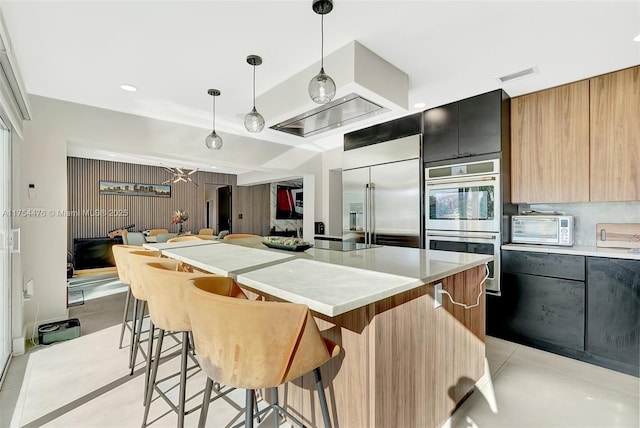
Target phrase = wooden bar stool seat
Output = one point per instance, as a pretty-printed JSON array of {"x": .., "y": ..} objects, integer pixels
[
  {"x": 165, "y": 286},
  {"x": 256, "y": 344}
]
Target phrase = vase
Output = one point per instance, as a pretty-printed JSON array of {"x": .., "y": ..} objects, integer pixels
[{"x": 180, "y": 228}]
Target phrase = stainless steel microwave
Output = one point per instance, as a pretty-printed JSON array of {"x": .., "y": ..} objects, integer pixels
[{"x": 542, "y": 229}]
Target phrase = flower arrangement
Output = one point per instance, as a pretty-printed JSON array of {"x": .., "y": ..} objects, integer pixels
[{"x": 179, "y": 216}]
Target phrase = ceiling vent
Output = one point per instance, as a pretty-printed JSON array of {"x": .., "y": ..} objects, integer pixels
[
  {"x": 366, "y": 85},
  {"x": 519, "y": 74}
]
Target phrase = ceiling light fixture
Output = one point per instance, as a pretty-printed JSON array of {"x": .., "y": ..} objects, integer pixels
[
  {"x": 180, "y": 174},
  {"x": 253, "y": 121},
  {"x": 128, "y": 88},
  {"x": 322, "y": 88},
  {"x": 637, "y": 38},
  {"x": 213, "y": 140},
  {"x": 419, "y": 105}
]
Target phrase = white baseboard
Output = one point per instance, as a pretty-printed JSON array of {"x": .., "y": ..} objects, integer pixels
[{"x": 19, "y": 346}]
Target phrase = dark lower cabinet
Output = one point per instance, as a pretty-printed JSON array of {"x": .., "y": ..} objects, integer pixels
[
  {"x": 587, "y": 308},
  {"x": 613, "y": 308},
  {"x": 544, "y": 309}
]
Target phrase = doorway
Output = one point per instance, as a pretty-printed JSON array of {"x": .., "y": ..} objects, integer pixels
[{"x": 218, "y": 206}]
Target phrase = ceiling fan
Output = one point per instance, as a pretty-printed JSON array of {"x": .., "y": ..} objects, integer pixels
[{"x": 180, "y": 174}]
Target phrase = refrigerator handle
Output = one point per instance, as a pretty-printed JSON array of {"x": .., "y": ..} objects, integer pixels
[
  {"x": 366, "y": 213},
  {"x": 372, "y": 216}
]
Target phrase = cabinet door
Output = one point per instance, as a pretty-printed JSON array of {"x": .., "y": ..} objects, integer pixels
[
  {"x": 441, "y": 133},
  {"x": 613, "y": 311},
  {"x": 480, "y": 120},
  {"x": 550, "y": 145},
  {"x": 544, "y": 309},
  {"x": 615, "y": 136}
]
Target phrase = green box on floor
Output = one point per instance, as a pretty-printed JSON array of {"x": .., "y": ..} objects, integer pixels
[{"x": 58, "y": 331}]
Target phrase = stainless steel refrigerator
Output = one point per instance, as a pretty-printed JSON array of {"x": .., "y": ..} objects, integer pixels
[{"x": 381, "y": 193}]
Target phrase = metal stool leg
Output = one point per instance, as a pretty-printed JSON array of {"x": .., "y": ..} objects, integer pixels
[
  {"x": 205, "y": 404},
  {"x": 276, "y": 413},
  {"x": 147, "y": 373},
  {"x": 133, "y": 332},
  {"x": 124, "y": 316},
  {"x": 322, "y": 398},
  {"x": 248, "y": 414},
  {"x": 152, "y": 378},
  {"x": 138, "y": 334},
  {"x": 183, "y": 379}
]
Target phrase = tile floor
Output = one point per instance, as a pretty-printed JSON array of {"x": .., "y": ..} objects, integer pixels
[{"x": 86, "y": 384}]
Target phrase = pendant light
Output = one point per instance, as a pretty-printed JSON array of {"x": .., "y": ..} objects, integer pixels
[
  {"x": 253, "y": 121},
  {"x": 322, "y": 88},
  {"x": 213, "y": 140}
]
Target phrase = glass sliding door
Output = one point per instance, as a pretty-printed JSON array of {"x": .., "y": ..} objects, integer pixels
[{"x": 5, "y": 248}]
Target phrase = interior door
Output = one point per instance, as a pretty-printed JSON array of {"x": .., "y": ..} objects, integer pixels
[
  {"x": 5, "y": 252},
  {"x": 224, "y": 208},
  {"x": 354, "y": 202}
]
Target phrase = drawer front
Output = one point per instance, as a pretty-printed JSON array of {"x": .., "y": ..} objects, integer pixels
[
  {"x": 544, "y": 309},
  {"x": 552, "y": 265}
]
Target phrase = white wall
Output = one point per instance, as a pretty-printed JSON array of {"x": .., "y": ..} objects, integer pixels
[{"x": 42, "y": 161}]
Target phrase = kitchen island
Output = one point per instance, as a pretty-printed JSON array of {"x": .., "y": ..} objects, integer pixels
[{"x": 403, "y": 362}]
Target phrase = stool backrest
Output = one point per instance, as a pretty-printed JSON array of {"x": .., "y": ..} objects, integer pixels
[
  {"x": 122, "y": 264},
  {"x": 184, "y": 238},
  {"x": 135, "y": 259},
  {"x": 154, "y": 232},
  {"x": 205, "y": 231},
  {"x": 166, "y": 288},
  {"x": 253, "y": 344},
  {"x": 241, "y": 235}
]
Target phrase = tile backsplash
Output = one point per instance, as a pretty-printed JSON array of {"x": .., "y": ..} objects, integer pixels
[{"x": 588, "y": 214}]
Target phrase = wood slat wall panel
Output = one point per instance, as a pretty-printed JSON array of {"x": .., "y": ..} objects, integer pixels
[{"x": 84, "y": 175}]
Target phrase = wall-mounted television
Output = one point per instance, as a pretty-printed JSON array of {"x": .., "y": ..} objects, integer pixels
[{"x": 288, "y": 202}]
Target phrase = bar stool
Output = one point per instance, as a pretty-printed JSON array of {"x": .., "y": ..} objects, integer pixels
[
  {"x": 165, "y": 288},
  {"x": 255, "y": 344},
  {"x": 135, "y": 259},
  {"x": 123, "y": 274}
]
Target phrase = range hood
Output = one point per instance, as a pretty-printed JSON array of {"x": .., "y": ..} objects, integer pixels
[{"x": 366, "y": 86}]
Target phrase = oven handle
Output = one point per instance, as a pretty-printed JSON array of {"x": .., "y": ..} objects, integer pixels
[
  {"x": 444, "y": 235},
  {"x": 461, "y": 180}
]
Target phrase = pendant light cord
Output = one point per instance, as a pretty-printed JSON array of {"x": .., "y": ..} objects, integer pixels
[
  {"x": 214, "y": 112},
  {"x": 254, "y": 86},
  {"x": 322, "y": 41}
]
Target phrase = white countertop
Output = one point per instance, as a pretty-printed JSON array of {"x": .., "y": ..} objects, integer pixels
[
  {"x": 226, "y": 259},
  {"x": 326, "y": 288},
  {"x": 169, "y": 245},
  {"x": 614, "y": 253},
  {"x": 329, "y": 282}
]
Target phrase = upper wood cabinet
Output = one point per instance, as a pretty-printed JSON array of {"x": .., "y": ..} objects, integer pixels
[
  {"x": 615, "y": 136},
  {"x": 550, "y": 145}
]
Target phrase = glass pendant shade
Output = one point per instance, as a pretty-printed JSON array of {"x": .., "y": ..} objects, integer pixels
[
  {"x": 322, "y": 88},
  {"x": 213, "y": 141},
  {"x": 253, "y": 121}
]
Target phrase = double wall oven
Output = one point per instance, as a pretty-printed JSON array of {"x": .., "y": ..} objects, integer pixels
[{"x": 464, "y": 211}]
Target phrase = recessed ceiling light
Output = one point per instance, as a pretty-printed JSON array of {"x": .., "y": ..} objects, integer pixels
[
  {"x": 419, "y": 105},
  {"x": 112, "y": 155},
  {"x": 128, "y": 88},
  {"x": 214, "y": 167},
  {"x": 637, "y": 38}
]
